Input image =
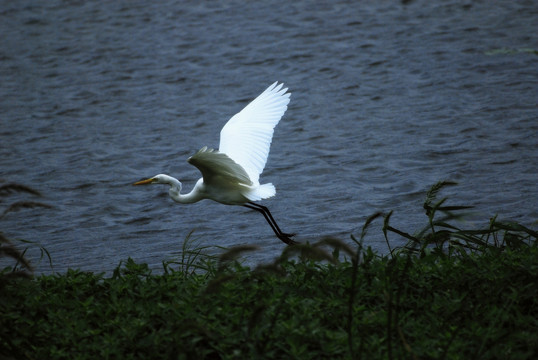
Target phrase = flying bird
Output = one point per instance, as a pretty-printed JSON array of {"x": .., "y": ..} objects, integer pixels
[{"x": 230, "y": 175}]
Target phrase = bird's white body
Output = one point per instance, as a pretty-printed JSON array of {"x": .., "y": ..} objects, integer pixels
[{"x": 231, "y": 174}]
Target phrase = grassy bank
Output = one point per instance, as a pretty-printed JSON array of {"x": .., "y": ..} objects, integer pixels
[{"x": 450, "y": 293}]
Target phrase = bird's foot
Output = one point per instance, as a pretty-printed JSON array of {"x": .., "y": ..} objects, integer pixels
[{"x": 286, "y": 238}]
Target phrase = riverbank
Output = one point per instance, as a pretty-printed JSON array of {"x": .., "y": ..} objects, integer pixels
[{"x": 450, "y": 293}]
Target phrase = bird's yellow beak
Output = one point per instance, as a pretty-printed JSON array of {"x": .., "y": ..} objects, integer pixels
[{"x": 144, "y": 182}]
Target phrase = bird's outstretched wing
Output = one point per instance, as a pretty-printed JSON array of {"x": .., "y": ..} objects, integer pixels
[
  {"x": 247, "y": 136},
  {"x": 216, "y": 166}
]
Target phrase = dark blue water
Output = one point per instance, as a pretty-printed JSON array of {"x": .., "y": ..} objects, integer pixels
[{"x": 387, "y": 99}]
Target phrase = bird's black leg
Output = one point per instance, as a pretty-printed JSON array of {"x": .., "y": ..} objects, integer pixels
[{"x": 267, "y": 214}]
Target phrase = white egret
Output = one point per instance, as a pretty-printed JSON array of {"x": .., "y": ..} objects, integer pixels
[{"x": 231, "y": 174}]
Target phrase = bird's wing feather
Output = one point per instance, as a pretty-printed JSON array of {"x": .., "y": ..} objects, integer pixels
[
  {"x": 247, "y": 136},
  {"x": 213, "y": 164}
]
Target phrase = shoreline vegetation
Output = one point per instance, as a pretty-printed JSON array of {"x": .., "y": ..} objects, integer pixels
[{"x": 449, "y": 293}]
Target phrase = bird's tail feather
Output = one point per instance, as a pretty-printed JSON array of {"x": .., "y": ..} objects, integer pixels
[{"x": 263, "y": 191}]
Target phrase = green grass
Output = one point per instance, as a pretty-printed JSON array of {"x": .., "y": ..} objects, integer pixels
[
  {"x": 8, "y": 250},
  {"x": 449, "y": 293}
]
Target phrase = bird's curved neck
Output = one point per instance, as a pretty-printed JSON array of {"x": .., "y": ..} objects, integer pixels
[
  {"x": 184, "y": 198},
  {"x": 175, "y": 193}
]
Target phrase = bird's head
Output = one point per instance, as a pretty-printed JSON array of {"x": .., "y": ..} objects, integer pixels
[
  {"x": 160, "y": 179},
  {"x": 157, "y": 179},
  {"x": 175, "y": 184}
]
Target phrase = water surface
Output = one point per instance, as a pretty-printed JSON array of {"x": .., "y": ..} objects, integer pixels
[{"x": 387, "y": 99}]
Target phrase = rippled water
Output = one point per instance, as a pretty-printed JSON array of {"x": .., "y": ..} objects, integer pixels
[{"x": 387, "y": 99}]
